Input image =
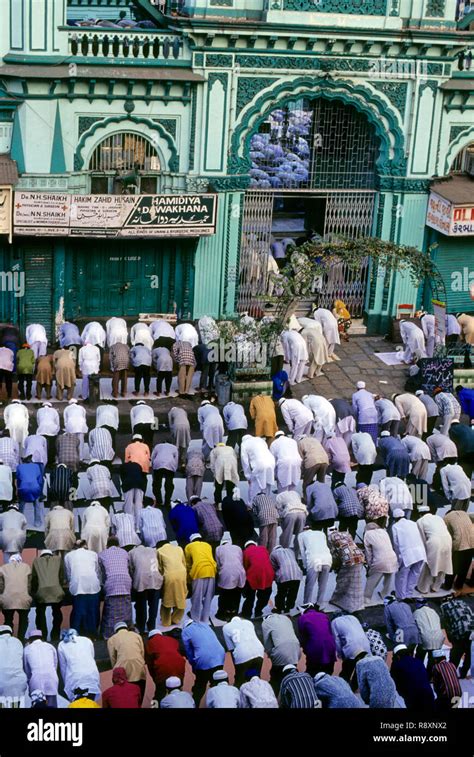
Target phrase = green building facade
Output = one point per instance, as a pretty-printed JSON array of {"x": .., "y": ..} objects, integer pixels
[{"x": 299, "y": 116}]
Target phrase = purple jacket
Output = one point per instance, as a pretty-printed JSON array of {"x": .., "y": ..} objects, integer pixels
[{"x": 316, "y": 638}]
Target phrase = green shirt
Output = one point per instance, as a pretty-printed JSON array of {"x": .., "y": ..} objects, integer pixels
[{"x": 25, "y": 361}]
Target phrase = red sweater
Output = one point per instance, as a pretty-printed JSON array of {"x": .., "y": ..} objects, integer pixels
[
  {"x": 164, "y": 658},
  {"x": 258, "y": 567},
  {"x": 122, "y": 696}
]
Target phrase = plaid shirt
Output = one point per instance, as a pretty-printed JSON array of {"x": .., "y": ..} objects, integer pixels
[
  {"x": 183, "y": 354},
  {"x": 119, "y": 356},
  {"x": 10, "y": 452},
  {"x": 123, "y": 526},
  {"x": 116, "y": 578},
  {"x": 100, "y": 444},
  {"x": 348, "y": 503},
  {"x": 344, "y": 550},
  {"x": 284, "y": 564},
  {"x": 210, "y": 526},
  {"x": 100, "y": 481},
  {"x": 67, "y": 446},
  {"x": 448, "y": 404},
  {"x": 264, "y": 508},
  {"x": 458, "y": 619},
  {"x": 152, "y": 526}
]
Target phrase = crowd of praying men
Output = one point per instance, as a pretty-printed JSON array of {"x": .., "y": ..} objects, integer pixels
[{"x": 206, "y": 569}]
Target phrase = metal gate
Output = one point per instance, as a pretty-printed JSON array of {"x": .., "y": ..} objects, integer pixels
[{"x": 255, "y": 243}]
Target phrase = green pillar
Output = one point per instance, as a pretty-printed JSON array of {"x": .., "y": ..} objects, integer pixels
[{"x": 59, "y": 283}]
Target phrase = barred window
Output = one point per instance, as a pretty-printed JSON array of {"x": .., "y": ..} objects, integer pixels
[
  {"x": 464, "y": 160},
  {"x": 124, "y": 151}
]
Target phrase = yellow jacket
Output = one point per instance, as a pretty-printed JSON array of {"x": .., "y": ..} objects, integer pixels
[
  {"x": 199, "y": 560},
  {"x": 83, "y": 703}
]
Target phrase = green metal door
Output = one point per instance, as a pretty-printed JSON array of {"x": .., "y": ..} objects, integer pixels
[
  {"x": 454, "y": 259},
  {"x": 38, "y": 267},
  {"x": 125, "y": 278}
]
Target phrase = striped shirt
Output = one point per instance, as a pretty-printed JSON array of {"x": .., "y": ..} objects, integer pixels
[
  {"x": 119, "y": 355},
  {"x": 152, "y": 526},
  {"x": 348, "y": 503},
  {"x": 100, "y": 481},
  {"x": 116, "y": 579},
  {"x": 10, "y": 452},
  {"x": 123, "y": 526},
  {"x": 60, "y": 483},
  {"x": 448, "y": 404},
  {"x": 445, "y": 680},
  {"x": 297, "y": 692},
  {"x": 100, "y": 444},
  {"x": 183, "y": 354},
  {"x": 284, "y": 564},
  {"x": 264, "y": 508}
]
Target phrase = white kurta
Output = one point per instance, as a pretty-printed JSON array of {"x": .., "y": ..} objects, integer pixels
[
  {"x": 223, "y": 462},
  {"x": 316, "y": 344},
  {"x": 297, "y": 416},
  {"x": 89, "y": 359},
  {"x": 329, "y": 325},
  {"x": 257, "y": 461},
  {"x": 294, "y": 347},
  {"x": 93, "y": 333},
  {"x": 211, "y": 425},
  {"x": 116, "y": 330},
  {"x": 16, "y": 420},
  {"x": 78, "y": 667},
  {"x": 438, "y": 544},
  {"x": 95, "y": 527},
  {"x": 12, "y": 531},
  {"x": 396, "y": 492},
  {"x": 107, "y": 415},
  {"x": 413, "y": 409},
  {"x": 75, "y": 420},
  {"x": 13, "y": 681},
  {"x": 36, "y": 332},
  {"x": 162, "y": 328},
  {"x": 287, "y": 461},
  {"x": 234, "y": 416},
  {"x": 141, "y": 414},
  {"x": 324, "y": 414},
  {"x": 48, "y": 422},
  {"x": 40, "y": 661},
  {"x": 407, "y": 542},
  {"x": 140, "y": 334},
  {"x": 413, "y": 341},
  {"x": 186, "y": 332},
  {"x": 208, "y": 329}
]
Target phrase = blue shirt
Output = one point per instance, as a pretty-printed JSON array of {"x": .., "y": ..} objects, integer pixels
[
  {"x": 29, "y": 478},
  {"x": 203, "y": 648},
  {"x": 184, "y": 521},
  {"x": 69, "y": 334},
  {"x": 140, "y": 355}
]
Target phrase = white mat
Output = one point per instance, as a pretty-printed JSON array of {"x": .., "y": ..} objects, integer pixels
[
  {"x": 106, "y": 388},
  {"x": 390, "y": 358}
]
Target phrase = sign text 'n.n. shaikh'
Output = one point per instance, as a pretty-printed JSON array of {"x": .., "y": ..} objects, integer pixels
[{"x": 39, "y": 213}]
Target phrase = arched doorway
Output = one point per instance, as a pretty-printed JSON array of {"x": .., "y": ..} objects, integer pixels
[{"x": 313, "y": 174}]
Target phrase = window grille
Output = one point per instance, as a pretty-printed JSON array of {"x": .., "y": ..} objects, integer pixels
[
  {"x": 464, "y": 160},
  {"x": 124, "y": 152}
]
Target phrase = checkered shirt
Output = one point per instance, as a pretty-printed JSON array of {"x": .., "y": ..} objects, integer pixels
[{"x": 116, "y": 578}]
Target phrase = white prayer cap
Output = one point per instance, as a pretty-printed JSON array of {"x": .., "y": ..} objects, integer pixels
[
  {"x": 385, "y": 433},
  {"x": 360, "y": 385},
  {"x": 398, "y": 513},
  {"x": 6, "y": 629},
  {"x": 305, "y": 606},
  {"x": 37, "y": 696},
  {"x": 173, "y": 682},
  {"x": 47, "y": 404},
  {"x": 17, "y": 401},
  {"x": 318, "y": 676},
  {"x": 94, "y": 460},
  {"x": 289, "y": 667},
  {"x": 399, "y": 647},
  {"x": 220, "y": 675},
  {"x": 236, "y": 493},
  {"x": 153, "y": 633},
  {"x": 423, "y": 509},
  {"x": 16, "y": 557},
  {"x": 34, "y": 634},
  {"x": 279, "y": 433},
  {"x": 281, "y": 401},
  {"x": 188, "y": 622},
  {"x": 193, "y": 537},
  {"x": 141, "y": 402},
  {"x": 119, "y": 625},
  {"x": 418, "y": 392},
  {"x": 205, "y": 402},
  {"x": 73, "y": 401},
  {"x": 45, "y": 552},
  {"x": 438, "y": 653},
  {"x": 137, "y": 437},
  {"x": 248, "y": 543}
]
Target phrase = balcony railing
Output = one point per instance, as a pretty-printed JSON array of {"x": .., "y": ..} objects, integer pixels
[{"x": 127, "y": 44}]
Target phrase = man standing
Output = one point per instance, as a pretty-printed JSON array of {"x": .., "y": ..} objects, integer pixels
[
  {"x": 432, "y": 410},
  {"x": 317, "y": 561},
  {"x": 315, "y": 460},
  {"x": 180, "y": 430},
  {"x": 259, "y": 579},
  {"x": 205, "y": 654},
  {"x": 146, "y": 583},
  {"x": 29, "y": 487},
  {"x": 202, "y": 569},
  {"x": 224, "y": 467},
  {"x": 119, "y": 358},
  {"x": 461, "y": 528},
  {"x": 262, "y": 412},
  {"x": 172, "y": 566},
  {"x": 438, "y": 545},
  {"x": 117, "y": 583},
  {"x": 142, "y": 419},
  {"x": 258, "y": 465},
  {"x": 184, "y": 357},
  {"x": 365, "y": 454},
  {"x": 265, "y": 512},
  {"x": 365, "y": 411},
  {"x": 411, "y": 554},
  {"x": 164, "y": 461},
  {"x": 287, "y": 576},
  {"x": 47, "y": 589},
  {"x": 140, "y": 357},
  {"x": 89, "y": 364},
  {"x": 83, "y": 576},
  {"x": 292, "y": 513}
]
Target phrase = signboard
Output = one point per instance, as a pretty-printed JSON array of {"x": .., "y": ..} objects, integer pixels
[
  {"x": 436, "y": 371},
  {"x": 451, "y": 220},
  {"x": 38, "y": 213},
  {"x": 439, "y": 311},
  {"x": 6, "y": 212}
]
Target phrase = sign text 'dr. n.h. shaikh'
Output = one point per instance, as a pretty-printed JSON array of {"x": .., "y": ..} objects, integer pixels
[{"x": 115, "y": 215}]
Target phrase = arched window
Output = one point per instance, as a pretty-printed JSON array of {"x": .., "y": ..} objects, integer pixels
[
  {"x": 314, "y": 144},
  {"x": 123, "y": 152},
  {"x": 464, "y": 160}
]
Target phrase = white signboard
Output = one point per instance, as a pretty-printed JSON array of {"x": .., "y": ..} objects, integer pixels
[
  {"x": 439, "y": 311},
  {"x": 6, "y": 212},
  {"x": 451, "y": 220}
]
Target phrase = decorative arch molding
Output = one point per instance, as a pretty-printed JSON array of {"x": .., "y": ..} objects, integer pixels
[
  {"x": 463, "y": 139},
  {"x": 379, "y": 113},
  {"x": 146, "y": 127}
]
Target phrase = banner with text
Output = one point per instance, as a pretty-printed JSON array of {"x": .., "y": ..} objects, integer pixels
[{"x": 43, "y": 214}]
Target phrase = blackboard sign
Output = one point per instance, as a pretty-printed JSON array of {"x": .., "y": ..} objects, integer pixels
[{"x": 436, "y": 371}]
